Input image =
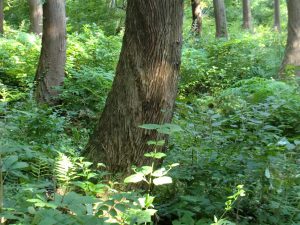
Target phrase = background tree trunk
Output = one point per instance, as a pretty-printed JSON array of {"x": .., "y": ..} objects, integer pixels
[
  {"x": 277, "y": 25},
  {"x": 51, "y": 68},
  {"x": 246, "y": 14},
  {"x": 112, "y": 4},
  {"x": 220, "y": 18},
  {"x": 36, "y": 16},
  {"x": 197, "y": 17},
  {"x": 1, "y": 16},
  {"x": 145, "y": 86},
  {"x": 292, "y": 51}
]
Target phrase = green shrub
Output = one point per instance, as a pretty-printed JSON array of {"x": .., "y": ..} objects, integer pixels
[
  {"x": 210, "y": 65},
  {"x": 249, "y": 135},
  {"x": 19, "y": 54}
]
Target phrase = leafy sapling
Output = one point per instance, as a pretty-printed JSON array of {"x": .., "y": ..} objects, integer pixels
[{"x": 151, "y": 175}]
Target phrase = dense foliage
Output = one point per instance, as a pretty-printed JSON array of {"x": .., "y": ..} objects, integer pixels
[{"x": 233, "y": 154}]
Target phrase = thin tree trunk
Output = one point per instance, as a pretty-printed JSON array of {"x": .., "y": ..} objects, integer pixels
[
  {"x": 246, "y": 14},
  {"x": 145, "y": 86},
  {"x": 36, "y": 16},
  {"x": 220, "y": 18},
  {"x": 112, "y": 4},
  {"x": 277, "y": 25},
  {"x": 1, "y": 17},
  {"x": 292, "y": 51},
  {"x": 197, "y": 17},
  {"x": 50, "y": 72}
]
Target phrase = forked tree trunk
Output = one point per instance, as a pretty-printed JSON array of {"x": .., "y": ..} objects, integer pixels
[
  {"x": 145, "y": 86},
  {"x": 197, "y": 17},
  {"x": 51, "y": 68},
  {"x": 36, "y": 16},
  {"x": 246, "y": 15},
  {"x": 292, "y": 51},
  {"x": 1, "y": 17},
  {"x": 277, "y": 25},
  {"x": 220, "y": 18}
]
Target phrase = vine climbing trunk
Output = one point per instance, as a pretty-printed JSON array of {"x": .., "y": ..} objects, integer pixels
[
  {"x": 220, "y": 18},
  {"x": 36, "y": 16},
  {"x": 145, "y": 85},
  {"x": 51, "y": 68},
  {"x": 292, "y": 51},
  {"x": 277, "y": 25},
  {"x": 1, "y": 17},
  {"x": 246, "y": 15},
  {"x": 196, "y": 16}
]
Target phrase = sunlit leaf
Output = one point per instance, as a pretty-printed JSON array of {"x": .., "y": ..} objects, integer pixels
[
  {"x": 162, "y": 180},
  {"x": 155, "y": 155},
  {"x": 159, "y": 173},
  {"x": 135, "y": 178}
]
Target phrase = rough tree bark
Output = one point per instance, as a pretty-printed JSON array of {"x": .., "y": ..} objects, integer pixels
[
  {"x": 1, "y": 17},
  {"x": 197, "y": 17},
  {"x": 51, "y": 68},
  {"x": 292, "y": 51},
  {"x": 246, "y": 15},
  {"x": 220, "y": 18},
  {"x": 145, "y": 86},
  {"x": 277, "y": 25},
  {"x": 36, "y": 16}
]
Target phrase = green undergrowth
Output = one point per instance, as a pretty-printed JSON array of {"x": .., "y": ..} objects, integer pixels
[
  {"x": 210, "y": 65},
  {"x": 238, "y": 148},
  {"x": 248, "y": 134}
]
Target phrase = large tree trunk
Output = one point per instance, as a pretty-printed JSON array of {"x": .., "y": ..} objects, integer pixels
[
  {"x": 1, "y": 17},
  {"x": 51, "y": 68},
  {"x": 246, "y": 15},
  {"x": 277, "y": 25},
  {"x": 220, "y": 18},
  {"x": 36, "y": 16},
  {"x": 292, "y": 51},
  {"x": 197, "y": 17},
  {"x": 145, "y": 86}
]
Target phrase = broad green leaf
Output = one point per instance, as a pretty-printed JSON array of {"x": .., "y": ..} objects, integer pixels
[
  {"x": 169, "y": 128},
  {"x": 135, "y": 178},
  {"x": 113, "y": 212},
  {"x": 150, "y": 126},
  {"x": 90, "y": 175},
  {"x": 144, "y": 216},
  {"x": 149, "y": 200},
  {"x": 19, "y": 165},
  {"x": 31, "y": 210},
  {"x": 155, "y": 155},
  {"x": 159, "y": 173},
  {"x": 142, "y": 202},
  {"x": 156, "y": 143},
  {"x": 145, "y": 170},
  {"x": 9, "y": 161},
  {"x": 121, "y": 207},
  {"x": 174, "y": 165},
  {"x": 146, "y": 202},
  {"x": 163, "y": 129},
  {"x": 162, "y": 180}
]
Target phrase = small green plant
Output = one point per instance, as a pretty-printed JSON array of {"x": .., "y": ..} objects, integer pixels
[
  {"x": 228, "y": 206},
  {"x": 151, "y": 176},
  {"x": 187, "y": 218}
]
